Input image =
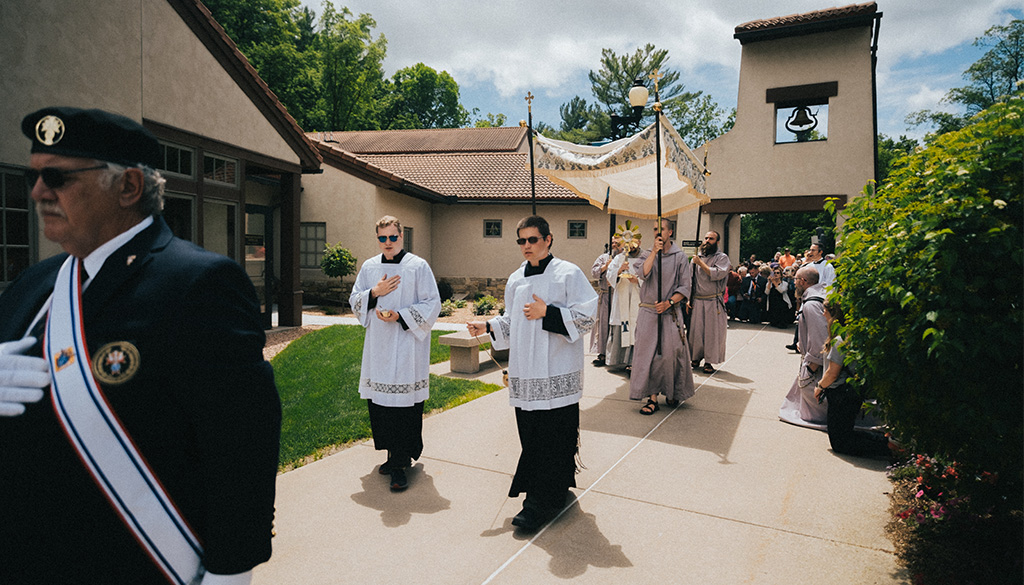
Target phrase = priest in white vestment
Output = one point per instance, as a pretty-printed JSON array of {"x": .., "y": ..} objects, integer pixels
[
  {"x": 623, "y": 276},
  {"x": 395, "y": 297},
  {"x": 549, "y": 306}
]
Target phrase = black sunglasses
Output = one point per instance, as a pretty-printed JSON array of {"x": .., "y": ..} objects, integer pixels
[
  {"x": 531, "y": 239},
  {"x": 383, "y": 239},
  {"x": 53, "y": 177}
]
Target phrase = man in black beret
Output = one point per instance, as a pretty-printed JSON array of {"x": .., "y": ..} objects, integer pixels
[{"x": 140, "y": 432}]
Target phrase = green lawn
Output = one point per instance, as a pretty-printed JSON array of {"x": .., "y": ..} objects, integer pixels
[{"x": 317, "y": 377}]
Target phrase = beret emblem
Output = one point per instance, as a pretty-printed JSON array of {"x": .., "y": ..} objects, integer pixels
[{"x": 49, "y": 130}]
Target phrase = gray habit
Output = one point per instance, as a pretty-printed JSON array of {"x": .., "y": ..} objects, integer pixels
[
  {"x": 669, "y": 373},
  {"x": 800, "y": 407},
  {"x": 599, "y": 336},
  {"x": 709, "y": 319}
]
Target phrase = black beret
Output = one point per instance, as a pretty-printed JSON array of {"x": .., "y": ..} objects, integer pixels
[{"x": 92, "y": 134}]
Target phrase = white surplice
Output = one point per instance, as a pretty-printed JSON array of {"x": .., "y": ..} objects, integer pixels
[
  {"x": 396, "y": 362},
  {"x": 545, "y": 369}
]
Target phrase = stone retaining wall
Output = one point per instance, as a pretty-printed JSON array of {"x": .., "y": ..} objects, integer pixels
[{"x": 334, "y": 292}]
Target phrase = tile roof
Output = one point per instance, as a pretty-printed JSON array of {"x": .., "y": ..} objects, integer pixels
[
  {"x": 485, "y": 176},
  {"x": 807, "y": 22},
  {"x": 434, "y": 140}
]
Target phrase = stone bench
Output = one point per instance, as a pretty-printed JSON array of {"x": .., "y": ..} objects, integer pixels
[{"x": 465, "y": 351}]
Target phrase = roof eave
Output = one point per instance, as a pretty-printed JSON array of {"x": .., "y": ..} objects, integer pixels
[
  {"x": 215, "y": 39},
  {"x": 806, "y": 28}
]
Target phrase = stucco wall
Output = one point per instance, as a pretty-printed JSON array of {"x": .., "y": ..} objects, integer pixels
[
  {"x": 351, "y": 207},
  {"x": 460, "y": 250},
  {"x": 134, "y": 57},
  {"x": 184, "y": 86},
  {"x": 746, "y": 162}
]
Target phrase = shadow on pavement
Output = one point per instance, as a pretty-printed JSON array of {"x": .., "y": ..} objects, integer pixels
[{"x": 396, "y": 509}]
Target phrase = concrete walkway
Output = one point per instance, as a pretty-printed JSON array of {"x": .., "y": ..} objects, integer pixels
[{"x": 717, "y": 491}]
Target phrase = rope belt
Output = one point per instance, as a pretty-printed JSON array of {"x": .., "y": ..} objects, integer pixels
[{"x": 707, "y": 297}]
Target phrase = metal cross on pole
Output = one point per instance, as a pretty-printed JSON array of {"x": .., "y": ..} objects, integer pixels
[{"x": 529, "y": 132}]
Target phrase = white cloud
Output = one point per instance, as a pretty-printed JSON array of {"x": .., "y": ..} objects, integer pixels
[{"x": 498, "y": 50}]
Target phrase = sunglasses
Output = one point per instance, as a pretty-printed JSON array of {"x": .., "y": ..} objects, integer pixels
[
  {"x": 54, "y": 178},
  {"x": 383, "y": 239},
  {"x": 531, "y": 239}
]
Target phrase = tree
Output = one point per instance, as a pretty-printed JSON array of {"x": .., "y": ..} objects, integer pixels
[
  {"x": 699, "y": 119},
  {"x": 930, "y": 273},
  {"x": 993, "y": 78},
  {"x": 420, "y": 97},
  {"x": 764, "y": 234},
  {"x": 889, "y": 150},
  {"x": 338, "y": 262},
  {"x": 611, "y": 83},
  {"x": 491, "y": 121},
  {"x": 351, "y": 70},
  {"x": 276, "y": 37}
]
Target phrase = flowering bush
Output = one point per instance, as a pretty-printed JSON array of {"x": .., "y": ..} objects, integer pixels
[
  {"x": 485, "y": 304},
  {"x": 951, "y": 527}
]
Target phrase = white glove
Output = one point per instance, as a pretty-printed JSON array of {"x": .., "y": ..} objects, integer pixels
[
  {"x": 22, "y": 377},
  {"x": 236, "y": 579}
]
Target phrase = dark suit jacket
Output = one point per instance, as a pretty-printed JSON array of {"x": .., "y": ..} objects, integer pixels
[{"x": 202, "y": 409}]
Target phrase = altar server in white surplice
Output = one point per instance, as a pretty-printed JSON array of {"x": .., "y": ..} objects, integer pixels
[
  {"x": 395, "y": 297},
  {"x": 549, "y": 306}
]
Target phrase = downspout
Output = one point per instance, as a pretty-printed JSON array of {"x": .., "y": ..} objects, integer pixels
[{"x": 874, "y": 91}]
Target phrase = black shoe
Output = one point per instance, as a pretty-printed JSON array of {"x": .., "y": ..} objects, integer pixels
[
  {"x": 398, "y": 480},
  {"x": 791, "y": 347},
  {"x": 531, "y": 519},
  {"x": 386, "y": 467},
  {"x": 599, "y": 361}
]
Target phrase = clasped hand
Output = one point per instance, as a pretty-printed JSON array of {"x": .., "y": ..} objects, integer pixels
[{"x": 22, "y": 377}]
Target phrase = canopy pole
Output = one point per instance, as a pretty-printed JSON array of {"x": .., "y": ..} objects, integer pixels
[{"x": 657, "y": 169}]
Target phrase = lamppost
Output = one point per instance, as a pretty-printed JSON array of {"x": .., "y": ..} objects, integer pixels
[{"x": 621, "y": 125}]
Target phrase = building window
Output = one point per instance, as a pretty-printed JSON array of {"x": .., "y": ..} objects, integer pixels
[
  {"x": 577, "y": 229},
  {"x": 178, "y": 160},
  {"x": 14, "y": 233},
  {"x": 814, "y": 127},
  {"x": 492, "y": 228},
  {"x": 179, "y": 213},
  {"x": 407, "y": 239},
  {"x": 801, "y": 111},
  {"x": 312, "y": 242},
  {"x": 218, "y": 169}
]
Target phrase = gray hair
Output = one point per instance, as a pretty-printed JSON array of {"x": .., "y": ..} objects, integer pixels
[{"x": 152, "y": 200}]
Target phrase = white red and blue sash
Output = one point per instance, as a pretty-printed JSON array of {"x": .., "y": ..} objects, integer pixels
[{"x": 106, "y": 449}]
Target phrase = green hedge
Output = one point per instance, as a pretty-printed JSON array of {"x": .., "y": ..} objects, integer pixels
[{"x": 930, "y": 273}]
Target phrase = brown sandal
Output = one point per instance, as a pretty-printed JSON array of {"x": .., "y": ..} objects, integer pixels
[
  {"x": 708, "y": 368},
  {"x": 650, "y": 408}
]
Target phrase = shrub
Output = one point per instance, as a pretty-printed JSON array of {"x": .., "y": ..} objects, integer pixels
[
  {"x": 444, "y": 289},
  {"x": 484, "y": 305},
  {"x": 447, "y": 308},
  {"x": 930, "y": 273},
  {"x": 338, "y": 262}
]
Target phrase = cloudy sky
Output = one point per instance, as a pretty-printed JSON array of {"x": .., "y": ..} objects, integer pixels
[{"x": 498, "y": 50}]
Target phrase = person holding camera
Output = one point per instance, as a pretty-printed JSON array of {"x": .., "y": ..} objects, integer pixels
[{"x": 844, "y": 401}]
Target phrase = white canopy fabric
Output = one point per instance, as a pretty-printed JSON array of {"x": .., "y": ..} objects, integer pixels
[{"x": 624, "y": 172}]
